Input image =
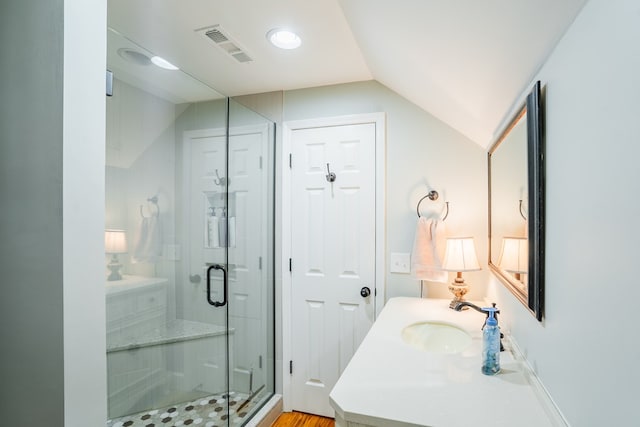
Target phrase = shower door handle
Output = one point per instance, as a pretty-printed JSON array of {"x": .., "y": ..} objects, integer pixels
[{"x": 224, "y": 281}]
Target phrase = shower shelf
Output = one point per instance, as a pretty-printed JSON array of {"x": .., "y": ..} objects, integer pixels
[{"x": 216, "y": 209}]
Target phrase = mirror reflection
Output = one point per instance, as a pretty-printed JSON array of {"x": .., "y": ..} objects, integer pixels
[
  {"x": 509, "y": 203},
  {"x": 516, "y": 205}
]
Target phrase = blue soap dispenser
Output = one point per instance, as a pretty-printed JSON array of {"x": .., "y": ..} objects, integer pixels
[{"x": 491, "y": 343}]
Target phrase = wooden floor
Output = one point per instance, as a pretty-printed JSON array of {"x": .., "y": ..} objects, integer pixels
[{"x": 300, "y": 419}]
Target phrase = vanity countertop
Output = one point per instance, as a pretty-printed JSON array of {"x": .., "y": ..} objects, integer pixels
[
  {"x": 132, "y": 284},
  {"x": 390, "y": 383}
]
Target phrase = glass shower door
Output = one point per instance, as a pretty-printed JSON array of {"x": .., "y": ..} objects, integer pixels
[
  {"x": 189, "y": 204},
  {"x": 167, "y": 309}
]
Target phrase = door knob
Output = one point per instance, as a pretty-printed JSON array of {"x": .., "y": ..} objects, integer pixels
[{"x": 365, "y": 291}]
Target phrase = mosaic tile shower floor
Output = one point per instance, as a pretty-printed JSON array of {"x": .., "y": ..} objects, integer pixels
[{"x": 204, "y": 412}]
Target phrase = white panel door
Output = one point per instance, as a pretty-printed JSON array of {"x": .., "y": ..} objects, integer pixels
[{"x": 333, "y": 247}]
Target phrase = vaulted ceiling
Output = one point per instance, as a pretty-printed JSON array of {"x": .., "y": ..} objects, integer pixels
[{"x": 464, "y": 61}]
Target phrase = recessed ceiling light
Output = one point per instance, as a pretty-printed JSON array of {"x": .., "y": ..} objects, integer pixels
[
  {"x": 163, "y": 63},
  {"x": 134, "y": 56},
  {"x": 284, "y": 39}
]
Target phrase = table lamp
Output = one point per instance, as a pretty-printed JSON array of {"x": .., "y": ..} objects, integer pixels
[
  {"x": 460, "y": 255},
  {"x": 115, "y": 243}
]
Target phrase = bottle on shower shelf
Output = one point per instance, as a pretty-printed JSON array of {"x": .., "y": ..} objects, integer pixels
[
  {"x": 212, "y": 229},
  {"x": 222, "y": 229}
]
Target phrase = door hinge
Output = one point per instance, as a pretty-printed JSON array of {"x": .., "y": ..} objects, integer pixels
[
  {"x": 109, "y": 83},
  {"x": 259, "y": 263},
  {"x": 290, "y": 265},
  {"x": 290, "y": 160},
  {"x": 291, "y": 367},
  {"x": 260, "y": 362},
  {"x": 260, "y": 166}
]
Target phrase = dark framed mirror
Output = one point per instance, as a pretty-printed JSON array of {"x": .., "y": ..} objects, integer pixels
[{"x": 516, "y": 204}]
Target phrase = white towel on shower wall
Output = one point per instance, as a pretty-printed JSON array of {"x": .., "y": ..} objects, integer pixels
[
  {"x": 148, "y": 247},
  {"x": 425, "y": 258}
]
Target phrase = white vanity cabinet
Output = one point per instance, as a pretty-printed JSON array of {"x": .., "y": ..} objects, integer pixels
[
  {"x": 390, "y": 383},
  {"x": 134, "y": 305}
]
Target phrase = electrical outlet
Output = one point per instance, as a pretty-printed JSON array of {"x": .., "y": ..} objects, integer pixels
[{"x": 400, "y": 263}]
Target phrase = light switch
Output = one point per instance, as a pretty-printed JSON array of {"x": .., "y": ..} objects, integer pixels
[{"x": 400, "y": 263}]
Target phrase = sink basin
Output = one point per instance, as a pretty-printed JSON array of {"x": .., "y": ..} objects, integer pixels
[{"x": 436, "y": 337}]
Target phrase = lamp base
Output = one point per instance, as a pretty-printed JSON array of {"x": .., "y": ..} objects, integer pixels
[
  {"x": 458, "y": 289},
  {"x": 115, "y": 267}
]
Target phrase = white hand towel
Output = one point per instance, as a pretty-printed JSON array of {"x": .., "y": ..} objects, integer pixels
[
  {"x": 138, "y": 249},
  {"x": 425, "y": 258},
  {"x": 148, "y": 247},
  {"x": 153, "y": 247}
]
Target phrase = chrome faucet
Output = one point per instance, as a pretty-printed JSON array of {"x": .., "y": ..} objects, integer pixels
[{"x": 460, "y": 305}]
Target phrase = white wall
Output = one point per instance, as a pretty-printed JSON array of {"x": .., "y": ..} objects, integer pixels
[
  {"x": 83, "y": 211},
  {"x": 586, "y": 350},
  {"x": 51, "y": 161},
  {"x": 422, "y": 154},
  {"x": 31, "y": 323}
]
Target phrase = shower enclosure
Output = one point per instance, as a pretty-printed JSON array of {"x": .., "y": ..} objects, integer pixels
[{"x": 189, "y": 209}]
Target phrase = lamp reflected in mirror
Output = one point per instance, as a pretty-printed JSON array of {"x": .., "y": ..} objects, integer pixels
[
  {"x": 514, "y": 256},
  {"x": 115, "y": 243}
]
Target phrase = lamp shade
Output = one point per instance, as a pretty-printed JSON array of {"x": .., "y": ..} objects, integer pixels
[
  {"x": 460, "y": 255},
  {"x": 115, "y": 242},
  {"x": 514, "y": 255}
]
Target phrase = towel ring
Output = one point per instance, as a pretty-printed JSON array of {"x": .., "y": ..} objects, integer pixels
[
  {"x": 433, "y": 196},
  {"x": 153, "y": 200}
]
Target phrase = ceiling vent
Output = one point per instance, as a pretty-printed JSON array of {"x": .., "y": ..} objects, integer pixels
[{"x": 222, "y": 39}]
